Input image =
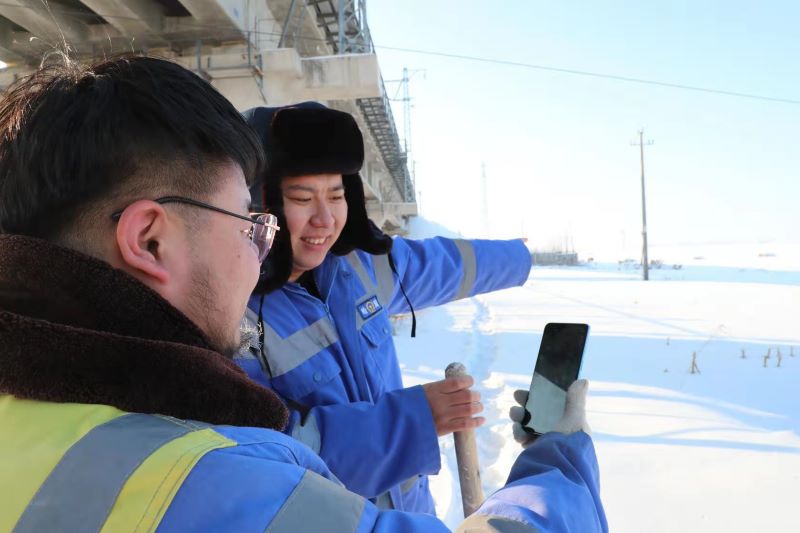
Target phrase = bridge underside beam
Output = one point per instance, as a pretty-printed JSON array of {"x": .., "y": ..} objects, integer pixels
[
  {"x": 53, "y": 25},
  {"x": 211, "y": 12},
  {"x": 129, "y": 17}
]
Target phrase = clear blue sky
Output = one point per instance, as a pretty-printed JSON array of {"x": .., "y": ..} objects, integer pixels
[{"x": 557, "y": 146}]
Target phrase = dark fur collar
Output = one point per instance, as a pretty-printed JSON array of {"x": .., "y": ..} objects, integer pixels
[{"x": 73, "y": 329}]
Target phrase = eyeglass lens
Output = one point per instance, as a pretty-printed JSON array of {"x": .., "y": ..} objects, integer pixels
[{"x": 263, "y": 234}]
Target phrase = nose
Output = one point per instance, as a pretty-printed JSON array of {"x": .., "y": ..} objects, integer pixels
[{"x": 323, "y": 216}]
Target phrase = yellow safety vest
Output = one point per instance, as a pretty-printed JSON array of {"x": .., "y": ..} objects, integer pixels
[{"x": 85, "y": 467}]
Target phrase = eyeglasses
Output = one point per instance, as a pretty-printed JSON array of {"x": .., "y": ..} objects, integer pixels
[{"x": 262, "y": 229}]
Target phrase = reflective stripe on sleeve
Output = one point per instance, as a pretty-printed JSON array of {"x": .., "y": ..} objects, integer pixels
[
  {"x": 470, "y": 268},
  {"x": 289, "y": 353},
  {"x": 477, "y": 523},
  {"x": 82, "y": 489},
  {"x": 318, "y": 504}
]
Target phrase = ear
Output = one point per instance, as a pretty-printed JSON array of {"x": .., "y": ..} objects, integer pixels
[{"x": 140, "y": 236}]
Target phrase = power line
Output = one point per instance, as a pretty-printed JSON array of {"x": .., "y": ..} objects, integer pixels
[{"x": 591, "y": 74}]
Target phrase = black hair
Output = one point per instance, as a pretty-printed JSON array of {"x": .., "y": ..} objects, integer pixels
[{"x": 73, "y": 136}]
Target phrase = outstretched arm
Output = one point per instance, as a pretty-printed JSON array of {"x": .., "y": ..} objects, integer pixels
[{"x": 439, "y": 270}]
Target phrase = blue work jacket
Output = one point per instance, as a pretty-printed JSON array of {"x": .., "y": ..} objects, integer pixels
[
  {"x": 553, "y": 487},
  {"x": 96, "y": 468},
  {"x": 334, "y": 362}
]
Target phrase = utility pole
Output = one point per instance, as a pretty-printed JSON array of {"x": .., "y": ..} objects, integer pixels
[
  {"x": 406, "y": 99},
  {"x": 406, "y": 112},
  {"x": 645, "y": 263},
  {"x": 406, "y": 125}
]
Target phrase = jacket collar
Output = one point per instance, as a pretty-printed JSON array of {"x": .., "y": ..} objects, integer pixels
[
  {"x": 325, "y": 274},
  {"x": 74, "y": 329}
]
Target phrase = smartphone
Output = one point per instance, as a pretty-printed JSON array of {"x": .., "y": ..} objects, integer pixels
[{"x": 557, "y": 367}]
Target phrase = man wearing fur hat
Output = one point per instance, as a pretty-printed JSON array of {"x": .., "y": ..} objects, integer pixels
[{"x": 323, "y": 304}]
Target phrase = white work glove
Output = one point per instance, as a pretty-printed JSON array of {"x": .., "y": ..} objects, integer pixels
[{"x": 574, "y": 418}]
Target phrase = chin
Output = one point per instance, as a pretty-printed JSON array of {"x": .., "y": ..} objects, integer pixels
[
  {"x": 228, "y": 342},
  {"x": 235, "y": 346},
  {"x": 310, "y": 263}
]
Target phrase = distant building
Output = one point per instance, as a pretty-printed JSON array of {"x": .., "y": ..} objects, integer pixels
[{"x": 555, "y": 258}]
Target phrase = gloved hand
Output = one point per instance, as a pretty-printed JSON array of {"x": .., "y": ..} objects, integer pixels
[{"x": 573, "y": 420}]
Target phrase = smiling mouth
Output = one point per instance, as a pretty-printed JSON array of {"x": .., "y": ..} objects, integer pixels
[{"x": 316, "y": 241}]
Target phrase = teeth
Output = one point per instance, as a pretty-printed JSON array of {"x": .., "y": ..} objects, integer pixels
[{"x": 314, "y": 241}]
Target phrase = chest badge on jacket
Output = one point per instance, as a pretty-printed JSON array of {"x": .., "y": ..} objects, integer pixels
[{"x": 369, "y": 307}]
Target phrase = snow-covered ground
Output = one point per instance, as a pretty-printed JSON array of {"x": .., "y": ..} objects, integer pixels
[{"x": 679, "y": 452}]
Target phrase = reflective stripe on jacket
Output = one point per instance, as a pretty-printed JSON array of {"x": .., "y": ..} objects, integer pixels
[
  {"x": 334, "y": 360},
  {"x": 93, "y": 467},
  {"x": 81, "y": 467},
  {"x": 78, "y": 467}
]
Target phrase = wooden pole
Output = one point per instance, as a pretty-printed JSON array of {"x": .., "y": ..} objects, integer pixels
[{"x": 469, "y": 475}]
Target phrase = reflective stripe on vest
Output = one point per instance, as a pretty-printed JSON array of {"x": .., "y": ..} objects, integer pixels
[
  {"x": 470, "y": 268},
  {"x": 122, "y": 474},
  {"x": 318, "y": 504},
  {"x": 289, "y": 353}
]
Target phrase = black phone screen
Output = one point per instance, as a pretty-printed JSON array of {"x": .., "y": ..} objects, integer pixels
[{"x": 557, "y": 367}]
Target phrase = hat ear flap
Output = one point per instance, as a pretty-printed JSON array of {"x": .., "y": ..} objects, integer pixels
[
  {"x": 277, "y": 267},
  {"x": 359, "y": 231}
]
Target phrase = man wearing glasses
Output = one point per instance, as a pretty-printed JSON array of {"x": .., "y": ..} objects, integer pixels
[{"x": 127, "y": 256}]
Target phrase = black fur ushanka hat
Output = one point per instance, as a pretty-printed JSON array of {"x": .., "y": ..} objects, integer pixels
[{"x": 305, "y": 139}]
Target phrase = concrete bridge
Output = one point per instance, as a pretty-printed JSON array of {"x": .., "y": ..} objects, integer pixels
[{"x": 256, "y": 52}]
